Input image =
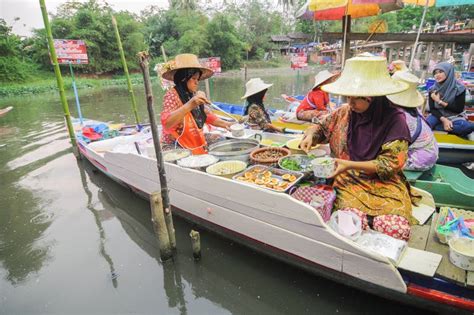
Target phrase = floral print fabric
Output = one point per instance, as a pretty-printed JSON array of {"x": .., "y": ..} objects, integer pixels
[
  {"x": 390, "y": 224},
  {"x": 257, "y": 118},
  {"x": 387, "y": 191},
  {"x": 423, "y": 153}
]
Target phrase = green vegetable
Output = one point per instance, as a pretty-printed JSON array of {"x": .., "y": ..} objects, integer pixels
[{"x": 291, "y": 165}]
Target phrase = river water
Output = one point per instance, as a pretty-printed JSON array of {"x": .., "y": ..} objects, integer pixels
[{"x": 74, "y": 242}]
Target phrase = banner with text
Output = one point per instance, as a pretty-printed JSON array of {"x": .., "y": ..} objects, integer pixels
[{"x": 71, "y": 51}]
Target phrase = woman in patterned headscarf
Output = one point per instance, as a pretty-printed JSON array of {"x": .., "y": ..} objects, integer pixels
[{"x": 184, "y": 112}]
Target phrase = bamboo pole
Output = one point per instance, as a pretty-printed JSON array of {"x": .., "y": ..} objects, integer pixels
[
  {"x": 159, "y": 225},
  {"x": 143, "y": 58},
  {"x": 125, "y": 70},
  {"x": 59, "y": 78}
]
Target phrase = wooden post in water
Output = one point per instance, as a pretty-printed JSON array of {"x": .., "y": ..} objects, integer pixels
[
  {"x": 143, "y": 58},
  {"x": 59, "y": 78},
  {"x": 159, "y": 225},
  {"x": 196, "y": 244},
  {"x": 125, "y": 70}
]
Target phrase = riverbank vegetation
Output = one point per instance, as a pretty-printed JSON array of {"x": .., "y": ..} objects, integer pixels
[{"x": 236, "y": 31}]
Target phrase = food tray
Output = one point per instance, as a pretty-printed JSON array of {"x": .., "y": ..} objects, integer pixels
[
  {"x": 443, "y": 212},
  {"x": 262, "y": 172}
]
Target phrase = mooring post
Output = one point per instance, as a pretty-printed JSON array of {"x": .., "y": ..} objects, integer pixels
[
  {"x": 143, "y": 60},
  {"x": 59, "y": 79},
  {"x": 196, "y": 243},
  {"x": 159, "y": 226}
]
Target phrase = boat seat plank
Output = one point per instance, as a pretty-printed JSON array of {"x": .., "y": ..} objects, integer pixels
[
  {"x": 420, "y": 261},
  {"x": 412, "y": 175},
  {"x": 419, "y": 236},
  {"x": 446, "y": 269}
]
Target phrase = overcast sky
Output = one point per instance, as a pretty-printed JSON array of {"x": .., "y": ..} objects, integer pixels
[{"x": 29, "y": 11}]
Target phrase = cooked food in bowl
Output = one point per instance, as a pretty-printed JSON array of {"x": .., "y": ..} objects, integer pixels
[
  {"x": 226, "y": 168},
  {"x": 198, "y": 161},
  {"x": 323, "y": 167},
  {"x": 174, "y": 155},
  {"x": 296, "y": 162}
]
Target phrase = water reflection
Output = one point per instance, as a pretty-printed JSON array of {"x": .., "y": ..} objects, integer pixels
[{"x": 99, "y": 216}]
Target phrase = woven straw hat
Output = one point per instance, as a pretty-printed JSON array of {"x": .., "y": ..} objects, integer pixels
[
  {"x": 411, "y": 97},
  {"x": 399, "y": 65},
  {"x": 322, "y": 77},
  {"x": 253, "y": 86},
  {"x": 184, "y": 61},
  {"x": 365, "y": 75}
]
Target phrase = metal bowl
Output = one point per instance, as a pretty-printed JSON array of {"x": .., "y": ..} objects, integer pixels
[
  {"x": 235, "y": 149},
  {"x": 303, "y": 161}
]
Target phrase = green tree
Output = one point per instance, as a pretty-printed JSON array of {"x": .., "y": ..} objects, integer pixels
[{"x": 224, "y": 41}]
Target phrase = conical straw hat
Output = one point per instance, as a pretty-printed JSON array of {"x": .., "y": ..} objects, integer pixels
[
  {"x": 411, "y": 97},
  {"x": 322, "y": 77},
  {"x": 365, "y": 76},
  {"x": 253, "y": 86},
  {"x": 184, "y": 61}
]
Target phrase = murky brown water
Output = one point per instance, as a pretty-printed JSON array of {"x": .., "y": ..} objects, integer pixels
[{"x": 74, "y": 242}]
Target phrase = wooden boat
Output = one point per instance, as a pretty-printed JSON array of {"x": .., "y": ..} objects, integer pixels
[
  {"x": 4, "y": 111},
  {"x": 287, "y": 229},
  {"x": 452, "y": 149}
]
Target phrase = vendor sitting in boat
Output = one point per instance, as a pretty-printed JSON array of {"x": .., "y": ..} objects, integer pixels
[
  {"x": 184, "y": 112},
  {"x": 256, "y": 116},
  {"x": 316, "y": 102},
  {"x": 369, "y": 139},
  {"x": 447, "y": 100},
  {"x": 423, "y": 150}
]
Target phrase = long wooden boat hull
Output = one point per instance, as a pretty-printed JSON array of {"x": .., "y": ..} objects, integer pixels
[{"x": 270, "y": 222}]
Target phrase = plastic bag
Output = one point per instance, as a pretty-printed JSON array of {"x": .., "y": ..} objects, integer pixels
[{"x": 346, "y": 223}]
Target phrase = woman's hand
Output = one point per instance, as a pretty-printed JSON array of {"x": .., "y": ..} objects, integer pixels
[
  {"x": 341, "y": 167},
  {"x": 435, "y": 96},
  {"x": 198, "y": 99},
  {"x": 447, "y": 124},
  {"x": 307, "y": 141}
]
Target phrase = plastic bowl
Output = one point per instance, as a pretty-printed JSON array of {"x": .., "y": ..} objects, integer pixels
[
  {"x": 199, "y": 162},
  {"x": 274, "y": 154},
  {"x": 226, "y": 168},
  {"x": 293, "y": 145},
  {"x": 461, "y": 253},
  {"x": 237, "y": 130},
  {"x": 323, "y": 167}
]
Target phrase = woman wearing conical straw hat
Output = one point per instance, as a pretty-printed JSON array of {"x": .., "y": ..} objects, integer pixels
[
  {"x": 369, "y": 139},
  {"x": 423, "y": 150},
  {"x": 255, "y": 112},
  {"x": 184, "y": 112},
  {"x": 316, "y": 102}
]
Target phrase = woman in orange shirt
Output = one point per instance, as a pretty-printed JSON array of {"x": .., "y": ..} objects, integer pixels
[
  {"x": 316, "y": 102},
  {"x": 184, "y": 112}
]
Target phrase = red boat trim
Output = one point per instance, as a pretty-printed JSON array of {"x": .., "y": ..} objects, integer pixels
[
  {"x": 440, "y": 297},
  {"x": 92, "y": 160}
]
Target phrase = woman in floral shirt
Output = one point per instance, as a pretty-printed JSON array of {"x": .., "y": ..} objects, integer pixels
[
  {"x": 369, "y": 139},
  {"x": 423, "y": 150},
  {"x": 184, "y": 107},
  {"x": 257, "y": 116}
]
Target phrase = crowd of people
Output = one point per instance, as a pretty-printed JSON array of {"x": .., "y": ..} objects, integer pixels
[{"x": 378, "y": 133}]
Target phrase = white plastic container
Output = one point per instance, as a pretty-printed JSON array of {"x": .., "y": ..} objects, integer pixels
[
  {"x": 237, "y": 130},
  {"x": 323, "y": 167},
  {"x": 461, "y": 253}
]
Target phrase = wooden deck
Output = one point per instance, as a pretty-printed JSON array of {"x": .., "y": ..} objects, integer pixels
[{"x": 424, "y": 238}]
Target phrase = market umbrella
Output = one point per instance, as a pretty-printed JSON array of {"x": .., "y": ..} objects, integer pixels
[
  {"x": 429, "y": 3},
  {"x": 338, "y": 9}
]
